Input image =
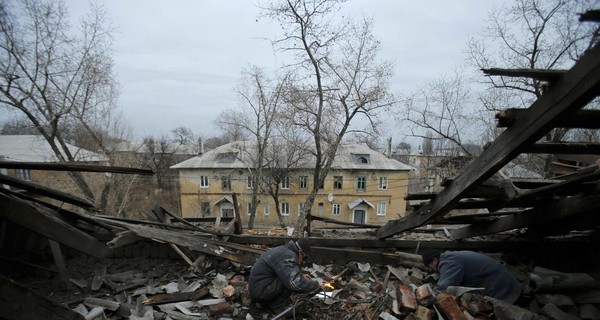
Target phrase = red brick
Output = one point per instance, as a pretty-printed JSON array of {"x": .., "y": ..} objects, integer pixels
[
  {"x": 220, "y": 309},
  {"x": 447, "y": 304},
  {"x": 406, "y": 298},
  {"x": 424, "y": 295}
]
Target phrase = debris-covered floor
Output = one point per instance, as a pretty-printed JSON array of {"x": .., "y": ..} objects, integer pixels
[{"x": 151, "y": 281}]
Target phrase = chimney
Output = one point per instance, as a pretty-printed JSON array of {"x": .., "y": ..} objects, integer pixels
[
  {"x": 389, "y": 147},
  {"x": 200, "y": 146}
]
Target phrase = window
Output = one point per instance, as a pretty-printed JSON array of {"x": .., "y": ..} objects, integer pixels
[
  {"x": 381, "y": 208},
  {"x": 266, "y": 209},
  {"x": 227, "y": 212},
  {"x": 336, "y": 209},
  {"x": 361, "y": 159},
  {"x": 23, "y": 174},
  {"x": 228, "y": 157},
  {"x": 383, "y": 183},
  {"x": 285, "y": 209},
  {"x": 204, "y": 182},
  {"x": 303, "y": 182},
  {"x": 205, "y": 208},
  {"x": 320, "y": 209},
  {"x": 285, "y": 182},
  {"x": 250, "y": 183},
  {"x": 337, "y": 182},
  {"x": 226, "y": 182},
  {"x": 300, "y": 208},
  {"x": 361, "y": 183}
]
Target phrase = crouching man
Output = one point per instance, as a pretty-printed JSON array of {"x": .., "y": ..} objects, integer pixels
[{"x": 277, "y": 274}]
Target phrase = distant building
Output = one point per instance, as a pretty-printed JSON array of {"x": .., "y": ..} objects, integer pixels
[
  {"x": 363, "y": 186},
  {"x": 34, "y": 148}
]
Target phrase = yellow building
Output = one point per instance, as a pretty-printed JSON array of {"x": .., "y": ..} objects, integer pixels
[{"x": 363, "y": 186}]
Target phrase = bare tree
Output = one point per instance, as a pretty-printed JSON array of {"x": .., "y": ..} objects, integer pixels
[
  {"x": 158, "y": 156},
  {"x": 335, "y": 81},
  {"x": 56, "y": 77},
  {"x": 530, "y": 34},
  {"x": 184, "y": 136},
  {"x": 261, "y": 99},
  {"x": 443, "y": 107}
]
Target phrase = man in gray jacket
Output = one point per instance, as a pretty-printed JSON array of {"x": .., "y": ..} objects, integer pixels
[
  {"x": 276, "y": 274},
  {"x": 473, "y": 269}
]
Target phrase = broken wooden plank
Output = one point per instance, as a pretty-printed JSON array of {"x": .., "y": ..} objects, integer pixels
[
  {"x": 566, "y": 207},
  {"x": 564, "y": 148},
  {"x": 175, "y": 297},
  {"x": 40, "y": 220},
  {"x": 570, "y": 93},
  {"x": 584, "y": 119},
  {"x": 343, "y": 223},
  {"x": 233, "y": 252},
  {"x": 18, "y": 302},
  {"x": 46, "y": 192},
  {"x": 538, "y": 74}
]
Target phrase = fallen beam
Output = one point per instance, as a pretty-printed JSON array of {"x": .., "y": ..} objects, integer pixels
[
  {"x": 570, "y": 93},
  {"x": 538, "y": 74},
  {"x": 46, "y": 192},
  {"x": 42, "y": 221},
  {"x": 72, "y": 167},
  {"x": 585, "y": 119},
  {"x": 175, "y": 297},
  {"x": 549, "y": 212}
]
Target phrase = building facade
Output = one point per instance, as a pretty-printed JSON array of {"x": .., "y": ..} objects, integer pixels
[{"x": 363, "y": 187}]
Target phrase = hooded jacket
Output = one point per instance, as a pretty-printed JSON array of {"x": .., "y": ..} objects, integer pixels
[
  {"x": 474, "y": 269},
  {"x": 279, "y": 263}
]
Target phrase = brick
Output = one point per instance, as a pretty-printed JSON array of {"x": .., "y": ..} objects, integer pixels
[
  {"x": 423, "y": 313},
  {"x": 424, "y": 295},
  {"x": 406, "y": 298},
  {"x": 237, "y": 278},
  {"x": 447, "y": 304},
  {"x": 220, "y": 309}
]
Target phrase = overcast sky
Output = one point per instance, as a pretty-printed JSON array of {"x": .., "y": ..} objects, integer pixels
[{"x": 178, "y": 61}]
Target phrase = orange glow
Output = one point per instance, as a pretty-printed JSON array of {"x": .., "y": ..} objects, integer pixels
[{"x": 329, "y": 286}]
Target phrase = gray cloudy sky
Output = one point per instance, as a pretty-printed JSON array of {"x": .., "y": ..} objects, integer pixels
[{"x": 178, "y": 61}]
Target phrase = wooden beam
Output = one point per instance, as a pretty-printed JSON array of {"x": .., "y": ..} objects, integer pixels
[
  {"x": 585, "y": 119},
  {"x": 565, "y": 207},
  {"x": 236, "y": 253},
  {"x": 564, "y": 148},
  {"x": 72, "y": 167},
  {"x": 570, "y": 93},
  {"x": 590, "y": 15},
  {"x": 46, "y": 192},
  {"x": 538, "y": 74},
  {"x": 41, "y": 221},
  {"x": 19, "y": 302},
  {"x": 328, "y": 220}
]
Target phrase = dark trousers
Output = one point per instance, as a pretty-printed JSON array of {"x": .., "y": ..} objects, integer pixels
[{"x": 275, "y": 296}]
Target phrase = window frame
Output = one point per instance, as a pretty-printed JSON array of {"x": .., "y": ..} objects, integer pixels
[
  {"x": 204, "y": 182},
  {"x": 381, "y": 206},
  {"x": 285, "y": 183},
  {"x": 250, "y": 182},
  {"x": 336, "y": 207},
  {"x": 361, "y": 180},
  {"x": 303, "y": 182},
  {"x": 225, "y": 182},
  {"x": 338, "y": 184},
  {"x": 383, "y": 183},
  {"x": 285, "y": 212}
]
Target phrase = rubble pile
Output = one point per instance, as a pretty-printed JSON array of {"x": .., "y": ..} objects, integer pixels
[{"x": 216, "y": 288}]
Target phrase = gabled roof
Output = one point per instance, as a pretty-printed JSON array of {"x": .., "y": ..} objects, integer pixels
[
  {"x": 140, "y": 147},
  {"x": 34, "y": 148},
  {"x": 237, "y": 154}
]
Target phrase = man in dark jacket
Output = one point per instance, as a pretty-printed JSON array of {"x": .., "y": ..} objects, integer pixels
[
  {"x": 473, "y": 269},
  {"x": 276, "y": 275}
]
